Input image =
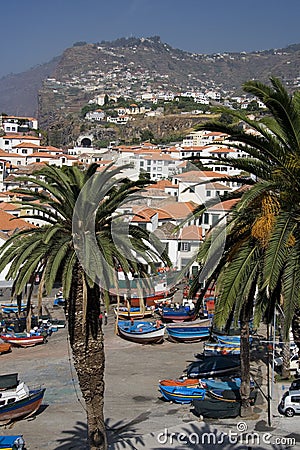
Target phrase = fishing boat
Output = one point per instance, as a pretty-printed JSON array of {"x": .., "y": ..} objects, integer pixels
[
  {"x": 188, "y": 334},
  {"x": 59, "y": 301},
  {"x": 19, "y": 402},
  {"x": 153, "y": 299},
  {"x": 180, "y": 314},
  {"x": 181, "y": 394},
  {"x": 5, "y": 347},
  {"x": 229, "y": 340},
  {"x": 216, "y": 408},
  {"x": 192, "y": 323},
  {"x": 141, "y": 332},
  {"x": 221, "y": 349},
  {"x": 134, "y": 312},
  {"x": 9, "y": 308},
  {"x": 12, "y": 442},
  {"x": 211, "y": 366},
  {"x": 187, "y": 382},
  {"x": 221, "y": 406},
  {"x": 22, "y": 341},
  {"x": 224, "y": 384}
]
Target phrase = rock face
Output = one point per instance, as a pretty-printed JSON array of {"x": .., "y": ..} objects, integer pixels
[{"x": 125, "y": 67}]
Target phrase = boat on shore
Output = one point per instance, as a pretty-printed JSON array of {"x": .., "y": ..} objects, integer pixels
[
  {"x": 142, "y": 332},
  {"x": 135, "y": 313},
  {"x": 180, "y": 314},
  {"x": 192, "y": 323},
  {"x": 182, "y": 394},
  {"x": 221, "y": 406},
  {"x": 19, "y": 402},
  {"x": 22, "y": 340},
  {"x": 206, "y": 367},
  {"x": 188, "y": 334}
]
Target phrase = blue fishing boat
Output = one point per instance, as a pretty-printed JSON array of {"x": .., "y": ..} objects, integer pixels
[
  {"x": 180, "y": 314},
  {"x": 59, "y": 301},
  {"x": 231, "y": 340},
  {"x": 9, "y": 308},
  {"x": 181, "y": 394},
  {"x": 141, "y": 332},
  {"x": 188, "y": 334},
  {"x": 220, "y": 385}
]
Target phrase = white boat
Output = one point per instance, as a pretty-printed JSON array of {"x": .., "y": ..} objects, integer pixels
[{"x": 141, "y": 332}]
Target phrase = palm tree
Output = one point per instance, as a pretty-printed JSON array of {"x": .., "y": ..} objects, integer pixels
[
  {"x": 83, "y": 241},
  {"x": 262, "y": 245}
]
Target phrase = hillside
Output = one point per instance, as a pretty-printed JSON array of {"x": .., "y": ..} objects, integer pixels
[{"x": 126, "y": 67}]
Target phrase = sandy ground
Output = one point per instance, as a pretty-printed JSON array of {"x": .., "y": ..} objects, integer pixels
[{"x": 134, "y": 410}]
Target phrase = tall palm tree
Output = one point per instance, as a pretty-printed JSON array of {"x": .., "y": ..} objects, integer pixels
[
  {"x": 83, "y": 242},
  {"x": 265, "y": 253}
]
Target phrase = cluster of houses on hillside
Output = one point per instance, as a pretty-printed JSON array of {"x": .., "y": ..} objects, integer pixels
[{"x": 176, "y": 190}]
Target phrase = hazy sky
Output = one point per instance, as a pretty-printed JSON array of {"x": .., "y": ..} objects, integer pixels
[{"x": 34, "y": 31}]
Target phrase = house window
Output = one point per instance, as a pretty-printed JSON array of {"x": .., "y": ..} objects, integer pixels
[
  {"x": 13, "y": 128},
  {"x": 206, "y": 219},
  {"x": 208, "y": 193},
  {"x": 215, "y": 218},
  {"x": 24, "y": 151},
  {"x": 6, "y": 142},
  {"x": 37, "y": 159},
  {"x": 184, "y": 246}
]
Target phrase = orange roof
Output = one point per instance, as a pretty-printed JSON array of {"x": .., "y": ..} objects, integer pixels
[
  {"x": 21, "y": 136},
  {"x": 161, "y": 184},
  {"x": 196, "y": 175},
  {"x": 176, "y": 210},
  {"x": 191, "y": 233},
  {"x": 41, "y": 155},
  {"x": 27, "y": 145},
  {"x": 227, "y": 205},
  {"x": 6, "y": 206},
  {"x": 4, "y": 154},
  {"x": 143, "y": 214},
  {"x": 9, "y": 223}
]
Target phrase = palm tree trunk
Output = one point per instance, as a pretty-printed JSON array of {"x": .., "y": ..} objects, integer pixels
[
  {"x": 245, "y": 358},
  {"x": 89, "y": 360},
  {"x": 286, "y": 353}
]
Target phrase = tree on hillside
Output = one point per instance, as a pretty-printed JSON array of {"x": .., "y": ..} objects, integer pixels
[
  {"x": 83, "y": 242},
  {"x": 262, "y": 238}
]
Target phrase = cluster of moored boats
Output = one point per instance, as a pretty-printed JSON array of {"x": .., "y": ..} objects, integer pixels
[
  {"x": 211, "y": 384},
  {"x": 13, "y": 334}
]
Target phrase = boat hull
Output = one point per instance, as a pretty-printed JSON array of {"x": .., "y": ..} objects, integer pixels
[
  {"x": 216, "y": 409},
  {"x": 182, "y": 395},
  {"x": 23, "y": 341},
  {"x": 22, "y": 408},
  {"x": 136, "y": 333},
  {"x": 193, "y": 334}
]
